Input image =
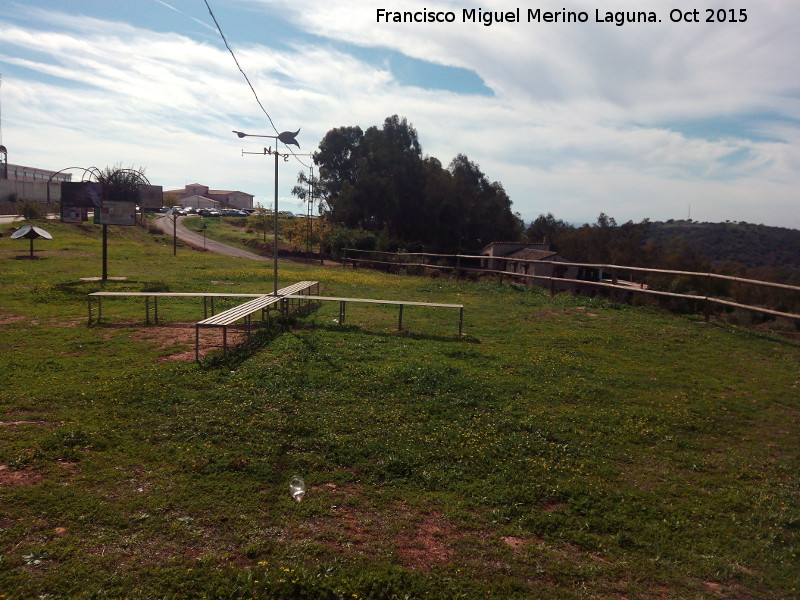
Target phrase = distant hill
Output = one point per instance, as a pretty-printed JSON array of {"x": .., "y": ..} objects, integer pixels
[{"x": 754, "y": 246}]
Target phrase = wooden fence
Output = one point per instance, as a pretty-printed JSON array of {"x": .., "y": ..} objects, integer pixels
[{"x": 608, "y": 276}]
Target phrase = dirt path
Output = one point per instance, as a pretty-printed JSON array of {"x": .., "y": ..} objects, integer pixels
[{"x": 196, "y": 239}]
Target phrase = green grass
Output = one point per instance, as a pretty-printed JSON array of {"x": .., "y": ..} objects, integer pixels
[
  {"x": 234, "y": 231},
  {"x": 565, "y": 448}
]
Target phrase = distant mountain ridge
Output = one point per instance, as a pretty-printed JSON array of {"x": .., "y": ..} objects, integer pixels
[{"x": 754, "y": 246}]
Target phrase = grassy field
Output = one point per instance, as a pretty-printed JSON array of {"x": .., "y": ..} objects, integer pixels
[
  {"x": 234, "y": 231},
  {"x": 564, "y": 448}
]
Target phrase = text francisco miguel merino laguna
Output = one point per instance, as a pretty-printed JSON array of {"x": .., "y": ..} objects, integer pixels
[{"x": 618, "y": 18}]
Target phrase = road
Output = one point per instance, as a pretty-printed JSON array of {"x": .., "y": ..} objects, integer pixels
[
  {"x": 186, "y": 235},
  {"x": 196, "y": 239},
  {"x": 9, "y": 219}
]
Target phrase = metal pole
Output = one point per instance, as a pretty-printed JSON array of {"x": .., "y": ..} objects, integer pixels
[
  {"x": 105, "y": 252},
  {"x": 310, "y": 229},
  {"x": 275, "y": 220}
]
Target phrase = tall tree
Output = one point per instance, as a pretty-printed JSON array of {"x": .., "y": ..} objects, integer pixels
[
  {"x": 485, "y": 207},
  {"x": 337, "y": 159},
  {"x": 546, "y": 227},
  {"x": 378, "y": 180}
]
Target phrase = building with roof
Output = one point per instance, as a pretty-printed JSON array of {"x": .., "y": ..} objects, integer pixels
[
  {"x": 21, "y": 182},
  {"x": 539, "y": 266},
  {"x": 533, "y": 260},
  {"x": 200, "y": 196}
]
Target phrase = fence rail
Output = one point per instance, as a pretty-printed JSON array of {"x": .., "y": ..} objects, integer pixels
[{"x": 485, "y": 265}]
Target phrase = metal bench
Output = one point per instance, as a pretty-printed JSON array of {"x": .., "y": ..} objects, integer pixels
[
  {"x": 95, "y": 300},
  {"x": 401, "y": 303},
  {"x": 229, "y": 317},
  {"x": 245, "y": 311}
]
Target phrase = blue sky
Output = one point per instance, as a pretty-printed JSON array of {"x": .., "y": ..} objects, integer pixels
[{"x": 646, "y": 120}]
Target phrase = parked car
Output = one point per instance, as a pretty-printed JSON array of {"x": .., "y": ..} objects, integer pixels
[{"x": 232, "y": 212}]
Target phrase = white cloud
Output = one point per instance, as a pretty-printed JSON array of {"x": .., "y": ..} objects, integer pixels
[{"x": 582, "y": 119}]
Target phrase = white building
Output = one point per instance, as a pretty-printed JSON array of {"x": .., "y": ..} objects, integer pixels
[
  {"x": 199, "y": 196},
  {"x": 31, "y": 183}
]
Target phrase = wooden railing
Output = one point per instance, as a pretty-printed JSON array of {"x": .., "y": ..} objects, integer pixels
[{"x": 547, "y": 274}]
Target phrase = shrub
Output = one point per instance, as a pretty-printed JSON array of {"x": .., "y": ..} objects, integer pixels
[{"x": 29, "y": 210}]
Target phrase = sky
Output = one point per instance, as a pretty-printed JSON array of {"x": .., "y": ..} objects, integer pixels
[{"x": 673, "y": 119}]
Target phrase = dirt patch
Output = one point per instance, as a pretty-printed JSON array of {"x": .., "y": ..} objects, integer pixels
[
  {"x": 165, "y": 335},
  {"x": 17, "y": 423},
  {"x": 516, "y": 543},
  {"x": 428, "y": 545},
  {"x": 9, "y": 478},
  {"x": 187, "y": 356},
  {"x": 420, "y": 541},
  {"x": 183, "y": 334},
  {"x": 6, "y": 319},
  {"x": 744, "y": 569},
  {"x": 548, "y": 313},
  {"x": 76, "y": 322}
]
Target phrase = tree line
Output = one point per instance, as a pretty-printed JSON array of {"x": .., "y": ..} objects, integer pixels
[
  {"x": 379, "y": 184},
  {"x": 377, "y": 190}
]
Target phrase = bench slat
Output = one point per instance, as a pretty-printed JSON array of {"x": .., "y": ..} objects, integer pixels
[
  {"x": 241, "y": 311},
  {"x": 371, "y": 301},
  {"x": 173, "y": 295},
  {"x": 232, "y": 315}
]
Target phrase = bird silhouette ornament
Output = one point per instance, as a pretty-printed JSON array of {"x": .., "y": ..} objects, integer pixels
[{"x": 288, "y": 138}]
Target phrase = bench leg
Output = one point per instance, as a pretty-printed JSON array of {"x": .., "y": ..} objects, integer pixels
[
  {"x": 400, "y": 319},
  {"x": 147, "y": 309},
  {"x": 460, "y": 322}
]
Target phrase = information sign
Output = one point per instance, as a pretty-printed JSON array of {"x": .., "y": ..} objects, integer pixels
[
  {"x": 88, "y": 194},
  {"x": 73, "y": 214},
  {"x": 115, "y": 213},
  {"x": 151, "y": 197}
]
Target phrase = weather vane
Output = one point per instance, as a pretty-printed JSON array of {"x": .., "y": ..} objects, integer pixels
[{"x": 287, "y": 138}]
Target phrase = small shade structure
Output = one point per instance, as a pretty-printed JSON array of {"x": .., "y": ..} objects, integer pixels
[{"x": 30, "y": 232}]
